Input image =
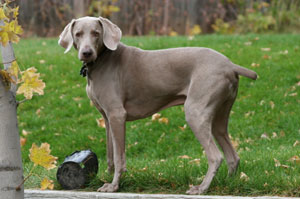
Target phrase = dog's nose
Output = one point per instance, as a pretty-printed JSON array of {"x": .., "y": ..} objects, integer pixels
[{"x": 87, "y": 53}]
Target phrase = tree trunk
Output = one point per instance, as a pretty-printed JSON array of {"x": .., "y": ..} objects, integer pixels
[{"x": 11, "y": 172}]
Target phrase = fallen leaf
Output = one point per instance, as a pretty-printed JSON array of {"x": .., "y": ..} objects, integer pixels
[
  {"x": 248, "y": 43},
  {"x": 285, "y": 52},
  {"x": 41, "y": 156},
  {"x": 92, "y": 138},
  {"x": 294, "y": 159},
  {"x": 195, "y": 161},
  {"x": 274, "y": 135},
  {"x": 265, "y": 49},
  {"x": 296, "y": 143},
  {"x": 42, "y": 61},
  {"x": 184, "y": 157},
  {"x": 272, "y": 104},
  {"x": 155, "y": 116},
  {"x": 183, "y": 127},
  {"x": 38, "y": 112},
  {"x": 25, "y": 133},
  {"x": 277, "y": 163},
  {"x": 255, "y": 65},
  {"x": 101, "y": 122},
  {"x": 163, "y": 120},
  {"x": 265, "y": 136},
  {"x": 244, "y": 177},
  {"x": 266, "y": 56},
  {"x": 22, "y": 141},
  {"x": 293, "y": 94},
  {"x": 76, "y": 99},
  {"x": 47, "y": 184}
]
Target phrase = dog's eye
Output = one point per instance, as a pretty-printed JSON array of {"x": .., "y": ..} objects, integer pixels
[
  {"x": 95, "y": 34},
  {"x": 78, "y": 34}
]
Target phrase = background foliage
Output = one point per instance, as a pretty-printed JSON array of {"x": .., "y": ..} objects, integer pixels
[{"x": 157, "y": 17}]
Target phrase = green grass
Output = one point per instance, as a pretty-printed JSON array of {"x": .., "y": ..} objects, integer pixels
[{"x": 69, "y": 125}]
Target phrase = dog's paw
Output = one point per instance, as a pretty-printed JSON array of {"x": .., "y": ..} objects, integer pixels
[
  {"x": 108, "y": 187},
  {"x": 196, "y": 190}
]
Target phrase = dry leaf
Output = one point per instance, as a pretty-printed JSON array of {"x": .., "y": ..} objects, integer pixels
[
  {"x": 265, "y": 136},
  {"x": 42, "y": 61},
  {"x": 76, "y": 99},
  {"x": 163, "y": 120},
  {"x": 184, "y": 157},
  {"x": 25, "y": 133},
  {"x": 155, "y": 116},
  {"x": 101, "y": 122},
  {"x": 255, "y": 65},
  {"x": 182, "y": 127},
  {"x": 47, "y": 184},
  {"x": 41, "y": 156},
  {"x": 274, "y": 135},
  {"x": 277, "y": 163},
  {"x": 244, "y": 177},
  {"x": 294, "y": 159},
  {"x": 249, "y": 43},
  {"x": 272, "y": 104},
  {"x": 22, "y": 141},
  {"x": 296, "y": 143},
  {"x": 285, "y": 52},
  {"x": 266, "y": 56},
  {"x": 38, "y": 112},
  {"x": 265, "y": 49},
  {"x": 195, "y": 161},
  {"x": 293, "y": 94},
  {"x": 92, "y": 138}
]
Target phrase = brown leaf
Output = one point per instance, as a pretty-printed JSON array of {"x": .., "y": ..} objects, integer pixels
[
  {"x": 155, "y": 116},
  {"x": 294, "y": 159},
  {"x": 101, "y": 122},
  {"x": 182, "y": 127},
  {"x": 76, "y": 99},
  {"x": 163, "y": 120},
  {"x": 277, "y": 163},
  {"x": 184, "y": 157},
  {"x": 244, "y": 177},
  {"x": 266, "y": 56},
  {"x": 265, "y": 49},
  {"x": 296, "y": 143},
  {"x": 22, "y": 141},
  {"x": 25, "y": 133},
  {"x": 195, "y": 161},
  {"x": 272, "y": 104}
]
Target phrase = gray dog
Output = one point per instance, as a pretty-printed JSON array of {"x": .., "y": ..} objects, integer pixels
[{"x": 126, "y": 83}]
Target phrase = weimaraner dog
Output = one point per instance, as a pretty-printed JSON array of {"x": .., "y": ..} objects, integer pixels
[{"x": 127, "y": 83}]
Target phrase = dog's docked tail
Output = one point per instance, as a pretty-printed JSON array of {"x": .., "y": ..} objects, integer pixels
[{"x": 245, "y": 72}]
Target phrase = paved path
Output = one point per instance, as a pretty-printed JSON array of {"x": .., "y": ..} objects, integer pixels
[{"x": 37, "y": 194}]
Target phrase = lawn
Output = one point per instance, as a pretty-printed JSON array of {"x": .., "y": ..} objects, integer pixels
[{"x": 264, "y": 123}]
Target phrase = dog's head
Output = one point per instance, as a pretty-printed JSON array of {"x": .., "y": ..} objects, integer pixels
[{"x": 89, "y": 35}]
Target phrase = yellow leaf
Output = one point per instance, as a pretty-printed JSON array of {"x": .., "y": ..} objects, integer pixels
[
  {"x": 10, "y": 32},
  {"x": 2, "y": 14},
  {"x": 31, "y": 83},
  {"x": 6, "y": 78},
  {"x": 14, "y": 70},
  {"x": 16, "y": 12},
  {"x": 196, "y": 30},
  {"x": 163, "y": 120},
  {"x": 41, "y": 156},
  {"x": 295, "y": 159},
  {"x": 47, "y": 184},
  {"x": 173, "y": 33}
]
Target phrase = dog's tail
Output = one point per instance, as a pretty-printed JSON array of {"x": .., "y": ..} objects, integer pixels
[{"x": 245, "y": 72}]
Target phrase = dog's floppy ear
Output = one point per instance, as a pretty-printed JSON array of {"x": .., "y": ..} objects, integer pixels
[
  {"x": 66, "y": 38},
  {"x": 111, "y": 34}
]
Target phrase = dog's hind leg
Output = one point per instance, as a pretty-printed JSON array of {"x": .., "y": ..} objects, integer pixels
[
  {"x": 200, "y": 107},
  {"x": 220, "y": 132}
]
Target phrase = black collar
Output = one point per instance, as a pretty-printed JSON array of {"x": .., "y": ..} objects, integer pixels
[{"x": 84, "y": 69}]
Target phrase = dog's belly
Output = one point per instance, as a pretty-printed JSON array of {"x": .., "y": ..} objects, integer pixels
[{"x": 140, "y": 110}]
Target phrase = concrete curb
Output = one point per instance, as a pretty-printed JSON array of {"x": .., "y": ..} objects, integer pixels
[{"x": 38, "y": 194}]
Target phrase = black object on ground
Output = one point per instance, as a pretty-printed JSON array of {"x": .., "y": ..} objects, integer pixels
[{"x": 77, "y": 169}]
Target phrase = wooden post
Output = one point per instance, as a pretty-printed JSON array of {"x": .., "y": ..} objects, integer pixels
[{"x": 11, "y": 171}]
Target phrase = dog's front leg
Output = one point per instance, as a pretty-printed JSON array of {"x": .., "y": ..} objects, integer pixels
[
  {"x": 116, "y": 120},
  {"x": 109, "y": 147}
]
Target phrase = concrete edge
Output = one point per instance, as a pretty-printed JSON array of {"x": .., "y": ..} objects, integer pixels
[{"x": 47, "y": 194}]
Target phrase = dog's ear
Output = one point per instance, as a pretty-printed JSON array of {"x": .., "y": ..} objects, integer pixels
[
  {"x": 66, "y": 38},
  {"x": 111, "y": 34}
]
